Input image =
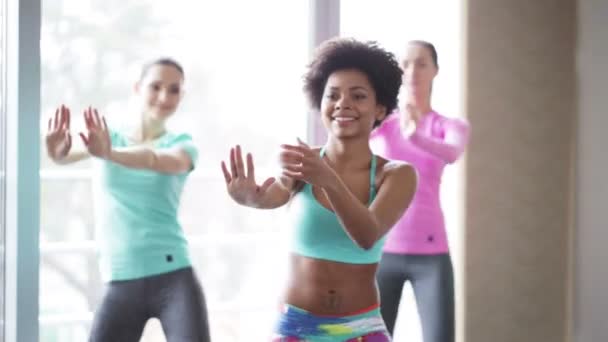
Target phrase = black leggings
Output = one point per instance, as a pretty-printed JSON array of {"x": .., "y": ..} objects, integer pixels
[
  {"x": 432, "y": 279},
  {"x": 175, "y": 298}
]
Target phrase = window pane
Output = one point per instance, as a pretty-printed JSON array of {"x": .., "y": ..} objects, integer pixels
[
  {"x": 243, "y": 65},
  {"x": 69, "y": 275},
  {"x": 67, "y": 214}
]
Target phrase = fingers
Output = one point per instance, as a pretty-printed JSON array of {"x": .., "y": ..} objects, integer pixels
[
  {"x": 267, "y": 183},
  {"x": 237, "y": 165},
  {"x": 66, "y": 117},
  {"x": 105, "y": 124},
  {"x": 68, "y": 139},
  {"x": 250, "y": 168},
  {"x": 84, "y": 139},
  {"x": 56, "y": 119},
  {"x": 240, "y": 167},
  {"x": 294, "y": 175},
  {"x": 96, "y": 118},
  {"x": 233, "y": 163},
  {"x": 61, "y": 119},
  {"x": 290, "y": 157},
  {"x": 300, "y": 149},
  {"x": 91, "y": 118},
  {"x": 297, "y": 168},
  {"x": 227, "y": 177},
  {"x": 303, "y": 144},
  {"x": 87, "y": 119}
]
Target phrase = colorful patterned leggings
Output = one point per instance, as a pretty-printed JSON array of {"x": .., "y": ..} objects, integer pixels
[{"x": 299, "y": 325}]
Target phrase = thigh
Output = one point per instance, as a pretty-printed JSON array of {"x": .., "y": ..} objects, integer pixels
[
  {"x": 433, "y": 284},
  {"x": 391, "y": 278},
  {"x": 182, "y": 309},
  {"x": 122, "y": 315}
]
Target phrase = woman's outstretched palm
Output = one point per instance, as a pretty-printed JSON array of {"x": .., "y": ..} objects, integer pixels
[
  {"x": 58, "y": 137},
  {"x": 97, "y": 138},
  {"x": 241, "y": 185}
]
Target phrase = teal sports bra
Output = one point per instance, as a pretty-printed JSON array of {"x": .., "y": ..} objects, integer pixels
[{"x": 318, "y": 233}]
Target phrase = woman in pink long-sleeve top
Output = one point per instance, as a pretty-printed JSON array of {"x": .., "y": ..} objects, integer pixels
[{"x": 416, "y": 248}]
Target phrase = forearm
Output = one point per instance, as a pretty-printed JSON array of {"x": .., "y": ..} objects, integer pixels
[
  {"x": 356, "y": 218},
  {"x": 450, "y": 146},
  {"x": 446, "y": 152},
  {"x": 134, "y": 157},
  {"x": 71, "y": 158}
]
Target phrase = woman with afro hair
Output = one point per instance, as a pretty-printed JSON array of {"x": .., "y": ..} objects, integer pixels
[{"x": 342, "y": 198}]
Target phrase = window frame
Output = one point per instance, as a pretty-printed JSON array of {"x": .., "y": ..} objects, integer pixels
[{"x": 22, "y": 37}]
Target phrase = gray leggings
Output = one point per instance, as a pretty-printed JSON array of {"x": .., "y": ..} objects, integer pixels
[
  {"x": 432, "y": 279},
  {"x": 175, "y": 298}
]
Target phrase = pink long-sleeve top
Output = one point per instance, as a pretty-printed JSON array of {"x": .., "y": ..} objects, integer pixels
[{"x": 436, "y": 142}]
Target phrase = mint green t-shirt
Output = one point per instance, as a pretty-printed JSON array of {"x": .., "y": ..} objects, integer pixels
[{"x": 138, "y": 232}]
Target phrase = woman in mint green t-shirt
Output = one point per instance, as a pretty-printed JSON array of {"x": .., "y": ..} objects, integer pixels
[{"x": 143, "y": 252}]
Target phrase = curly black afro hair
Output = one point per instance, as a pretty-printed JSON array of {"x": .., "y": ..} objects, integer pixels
[{"x": 380, "y": 66}]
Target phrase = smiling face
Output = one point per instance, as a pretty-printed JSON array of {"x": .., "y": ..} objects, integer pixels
[
  {"x": 160, "y": 91},
  {"x": 349, "y": 107}
]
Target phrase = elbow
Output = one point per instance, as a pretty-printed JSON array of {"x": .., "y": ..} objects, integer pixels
[
  {"x": 451, "y": 159},
  {"x": 366, "y": 246},
  {"x": 368, "y": 242},
  {"x": 168, "y": 164},
  {"x": 452, "y": 156}
]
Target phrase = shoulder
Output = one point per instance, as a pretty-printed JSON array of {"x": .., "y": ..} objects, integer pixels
[{"x": 396, "y": 171}]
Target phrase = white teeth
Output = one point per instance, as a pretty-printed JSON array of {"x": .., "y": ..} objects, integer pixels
[{"x": 344, "y": 119}]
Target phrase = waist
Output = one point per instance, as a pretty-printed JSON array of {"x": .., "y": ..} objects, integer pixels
[
  {"x": 331, "y": 288},
  {"x": 429, "y": 216},
  {"x": 134, "y": 233},
  {"x": 371, "y": 310},
  {"x": 425, "y": 199},
  {"x": 139, "y": 263},
  {"x": 417, "y": 236},
  {"x": 121, "y": 218},
  {"x": 296, "y": 322}
]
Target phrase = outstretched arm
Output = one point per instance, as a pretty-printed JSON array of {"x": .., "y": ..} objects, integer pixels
[
  {"x": 244, "y": 190},
  {"x": 174, "y": 160}
]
